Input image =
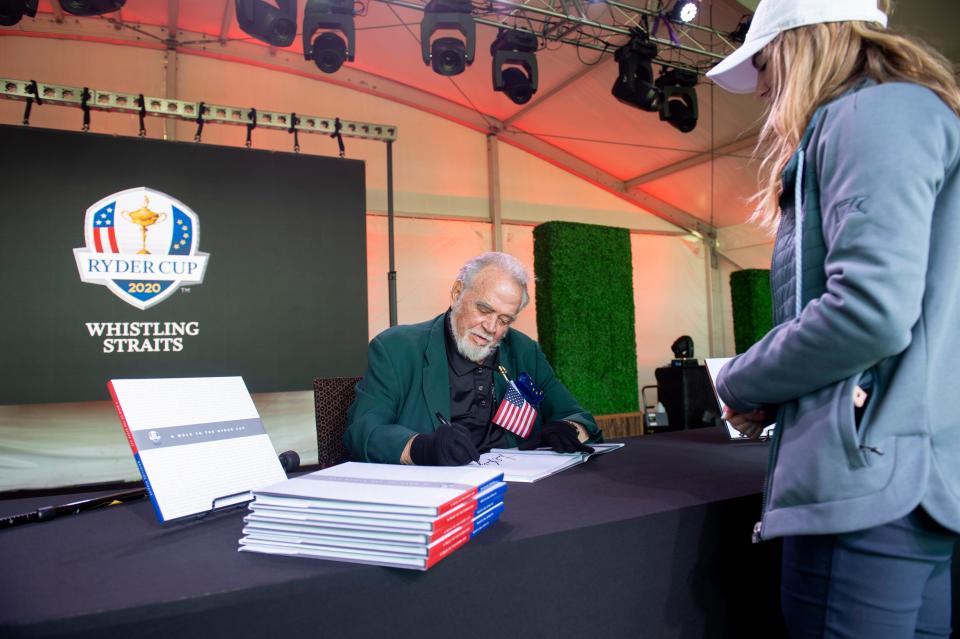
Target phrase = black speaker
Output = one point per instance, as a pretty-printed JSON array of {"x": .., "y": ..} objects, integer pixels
[{"x": 686, "y": 393}]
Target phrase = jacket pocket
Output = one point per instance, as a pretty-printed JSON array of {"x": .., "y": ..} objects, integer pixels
[
  {"x": 848, "y": 422},
  {"x": 869, "y": 384},
  {"x": 819, "y": 457},
  {"x": 823, "y": 428}
]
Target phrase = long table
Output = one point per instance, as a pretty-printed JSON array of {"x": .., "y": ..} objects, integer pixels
[{"x": 652, "y": 540}]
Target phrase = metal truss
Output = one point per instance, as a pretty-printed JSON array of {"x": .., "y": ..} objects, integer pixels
[
  {"x": 99, "y": 100},
  {"x": 602, "y": 26}
]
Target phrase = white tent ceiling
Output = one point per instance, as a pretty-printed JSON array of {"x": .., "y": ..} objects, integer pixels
[{"x": 698, "y": 180}]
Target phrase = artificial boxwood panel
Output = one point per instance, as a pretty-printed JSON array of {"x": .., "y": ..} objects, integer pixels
[
  {"x": 752, "y": 306},
  {"x": 585, "y": 316}
]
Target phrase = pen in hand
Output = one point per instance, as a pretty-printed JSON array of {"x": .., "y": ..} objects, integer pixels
[{"x": 472, "y": 452}]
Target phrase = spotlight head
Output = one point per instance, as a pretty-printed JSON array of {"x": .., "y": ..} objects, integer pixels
[
  {"x": 448, "y": 55},
  {"x": 276, "y": 26},
  {"x": 329, "y": 50},
  {"x": 684, "y": 11},
  {"x": 517, "y": 85},
  {"x": 682, "y": 347},
  {"x": 634, "y": 84},
  {"x": 517, "y": 48},
  {"x": 740, "y": 33},
  {"x": 11, "y": 11},
  {"x": 678, "y": 106}
]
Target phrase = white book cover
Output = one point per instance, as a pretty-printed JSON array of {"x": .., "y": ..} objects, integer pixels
[
  {"x": 479, "y": 478},
  {"x": 313, "y": 540},
  {"x": 307, "y": 525},
  {"x": 335, "y": 554},
  {"x": 422, "y": 522},
  {"x": 267, "y": 524},
  {"x": 436, "y": 551},
  {"x": 260, "y": 535},
  {"x": 198, "y": 442},
  {"x": 714, "y": 366},
  {"x": 386, "y": 487}
]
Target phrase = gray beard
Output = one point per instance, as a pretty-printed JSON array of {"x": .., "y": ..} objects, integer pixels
[
  {"x": 473, "y": 352},
  {"x": 467, "y": 348}
]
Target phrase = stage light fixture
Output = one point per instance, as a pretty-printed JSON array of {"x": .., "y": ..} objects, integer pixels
[
  {"x": 517, "y": 49},
  {"x": 684, "y": 11},
  {"x": 91, "y": 7},
  {"x": 275, "y": 25},
  {"x": 634, "y": 84},
  {"x": 448, "y": 55},
  {"x": 678, "y": 104},
  {"x": 11, "y": 11},
  {"x": 329, "y": 50},
  {"x": 682, "y": 347},
  {"x": 740, "y": 33}
]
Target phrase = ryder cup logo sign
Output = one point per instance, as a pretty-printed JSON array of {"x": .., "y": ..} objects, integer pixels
[{"x": 142, "y": 245}]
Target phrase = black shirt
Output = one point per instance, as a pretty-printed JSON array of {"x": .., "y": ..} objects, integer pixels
[{"x": 471, "y": 394}]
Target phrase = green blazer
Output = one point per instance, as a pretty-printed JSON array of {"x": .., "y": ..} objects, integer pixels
[{"x": 407, "y": 382}]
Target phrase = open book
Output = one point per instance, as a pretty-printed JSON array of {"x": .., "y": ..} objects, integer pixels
[{"x": 531, "y": 465}]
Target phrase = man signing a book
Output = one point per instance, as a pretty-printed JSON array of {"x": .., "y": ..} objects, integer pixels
[{"x": 441, "y": 392}]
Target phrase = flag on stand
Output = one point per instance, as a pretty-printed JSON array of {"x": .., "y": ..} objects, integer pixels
[{"x": 515, "y": 413}]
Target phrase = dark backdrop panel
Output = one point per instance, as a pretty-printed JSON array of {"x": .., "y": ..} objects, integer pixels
[{"x": 284, "y": 298}]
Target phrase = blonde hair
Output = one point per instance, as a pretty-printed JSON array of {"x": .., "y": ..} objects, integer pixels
[{"x": 812, "y": 65}]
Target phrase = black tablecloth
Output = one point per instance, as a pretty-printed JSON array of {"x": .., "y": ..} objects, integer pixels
[{"x": 652, "y": 540}]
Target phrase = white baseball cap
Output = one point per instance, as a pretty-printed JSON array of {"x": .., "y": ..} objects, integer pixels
[{"x": 736, "y": 72}]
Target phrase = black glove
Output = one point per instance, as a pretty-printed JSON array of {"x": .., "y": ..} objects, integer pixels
[
  {"x": 560, "y": 436},
  {"x": 447, "y": 446}
]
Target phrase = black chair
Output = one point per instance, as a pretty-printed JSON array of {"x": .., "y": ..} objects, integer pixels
[{"x": 332, "y": 397}]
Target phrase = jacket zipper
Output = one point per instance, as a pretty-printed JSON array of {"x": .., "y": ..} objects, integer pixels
[
  {"x": 798, "y": 218},
  {"x": 757, "y": 535}
]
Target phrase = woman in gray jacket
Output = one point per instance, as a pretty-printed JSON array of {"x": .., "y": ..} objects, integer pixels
[{"x": 860, "y": 177}]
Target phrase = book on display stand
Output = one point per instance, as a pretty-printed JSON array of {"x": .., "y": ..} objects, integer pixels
[{"x": 198, "y": 442}]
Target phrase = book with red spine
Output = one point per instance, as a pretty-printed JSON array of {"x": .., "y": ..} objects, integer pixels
[
  {"x": 262, "y": 518},
  {"x": 418, "y": 557},
  {"x": 389, "y": 515},
  {"x": 198, "y": 443},
  {"x": 384, "y": 488}
]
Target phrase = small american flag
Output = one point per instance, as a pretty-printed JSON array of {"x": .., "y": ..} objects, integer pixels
[{"x": 515, "y": 413}]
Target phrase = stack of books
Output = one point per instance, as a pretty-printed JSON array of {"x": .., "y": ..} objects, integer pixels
[{"x": 383, "y": 514}]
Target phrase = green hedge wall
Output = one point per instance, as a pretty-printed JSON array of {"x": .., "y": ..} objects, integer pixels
[
  {"x": 585, "y": 316},
  {"x": 752, "y": 306}
]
